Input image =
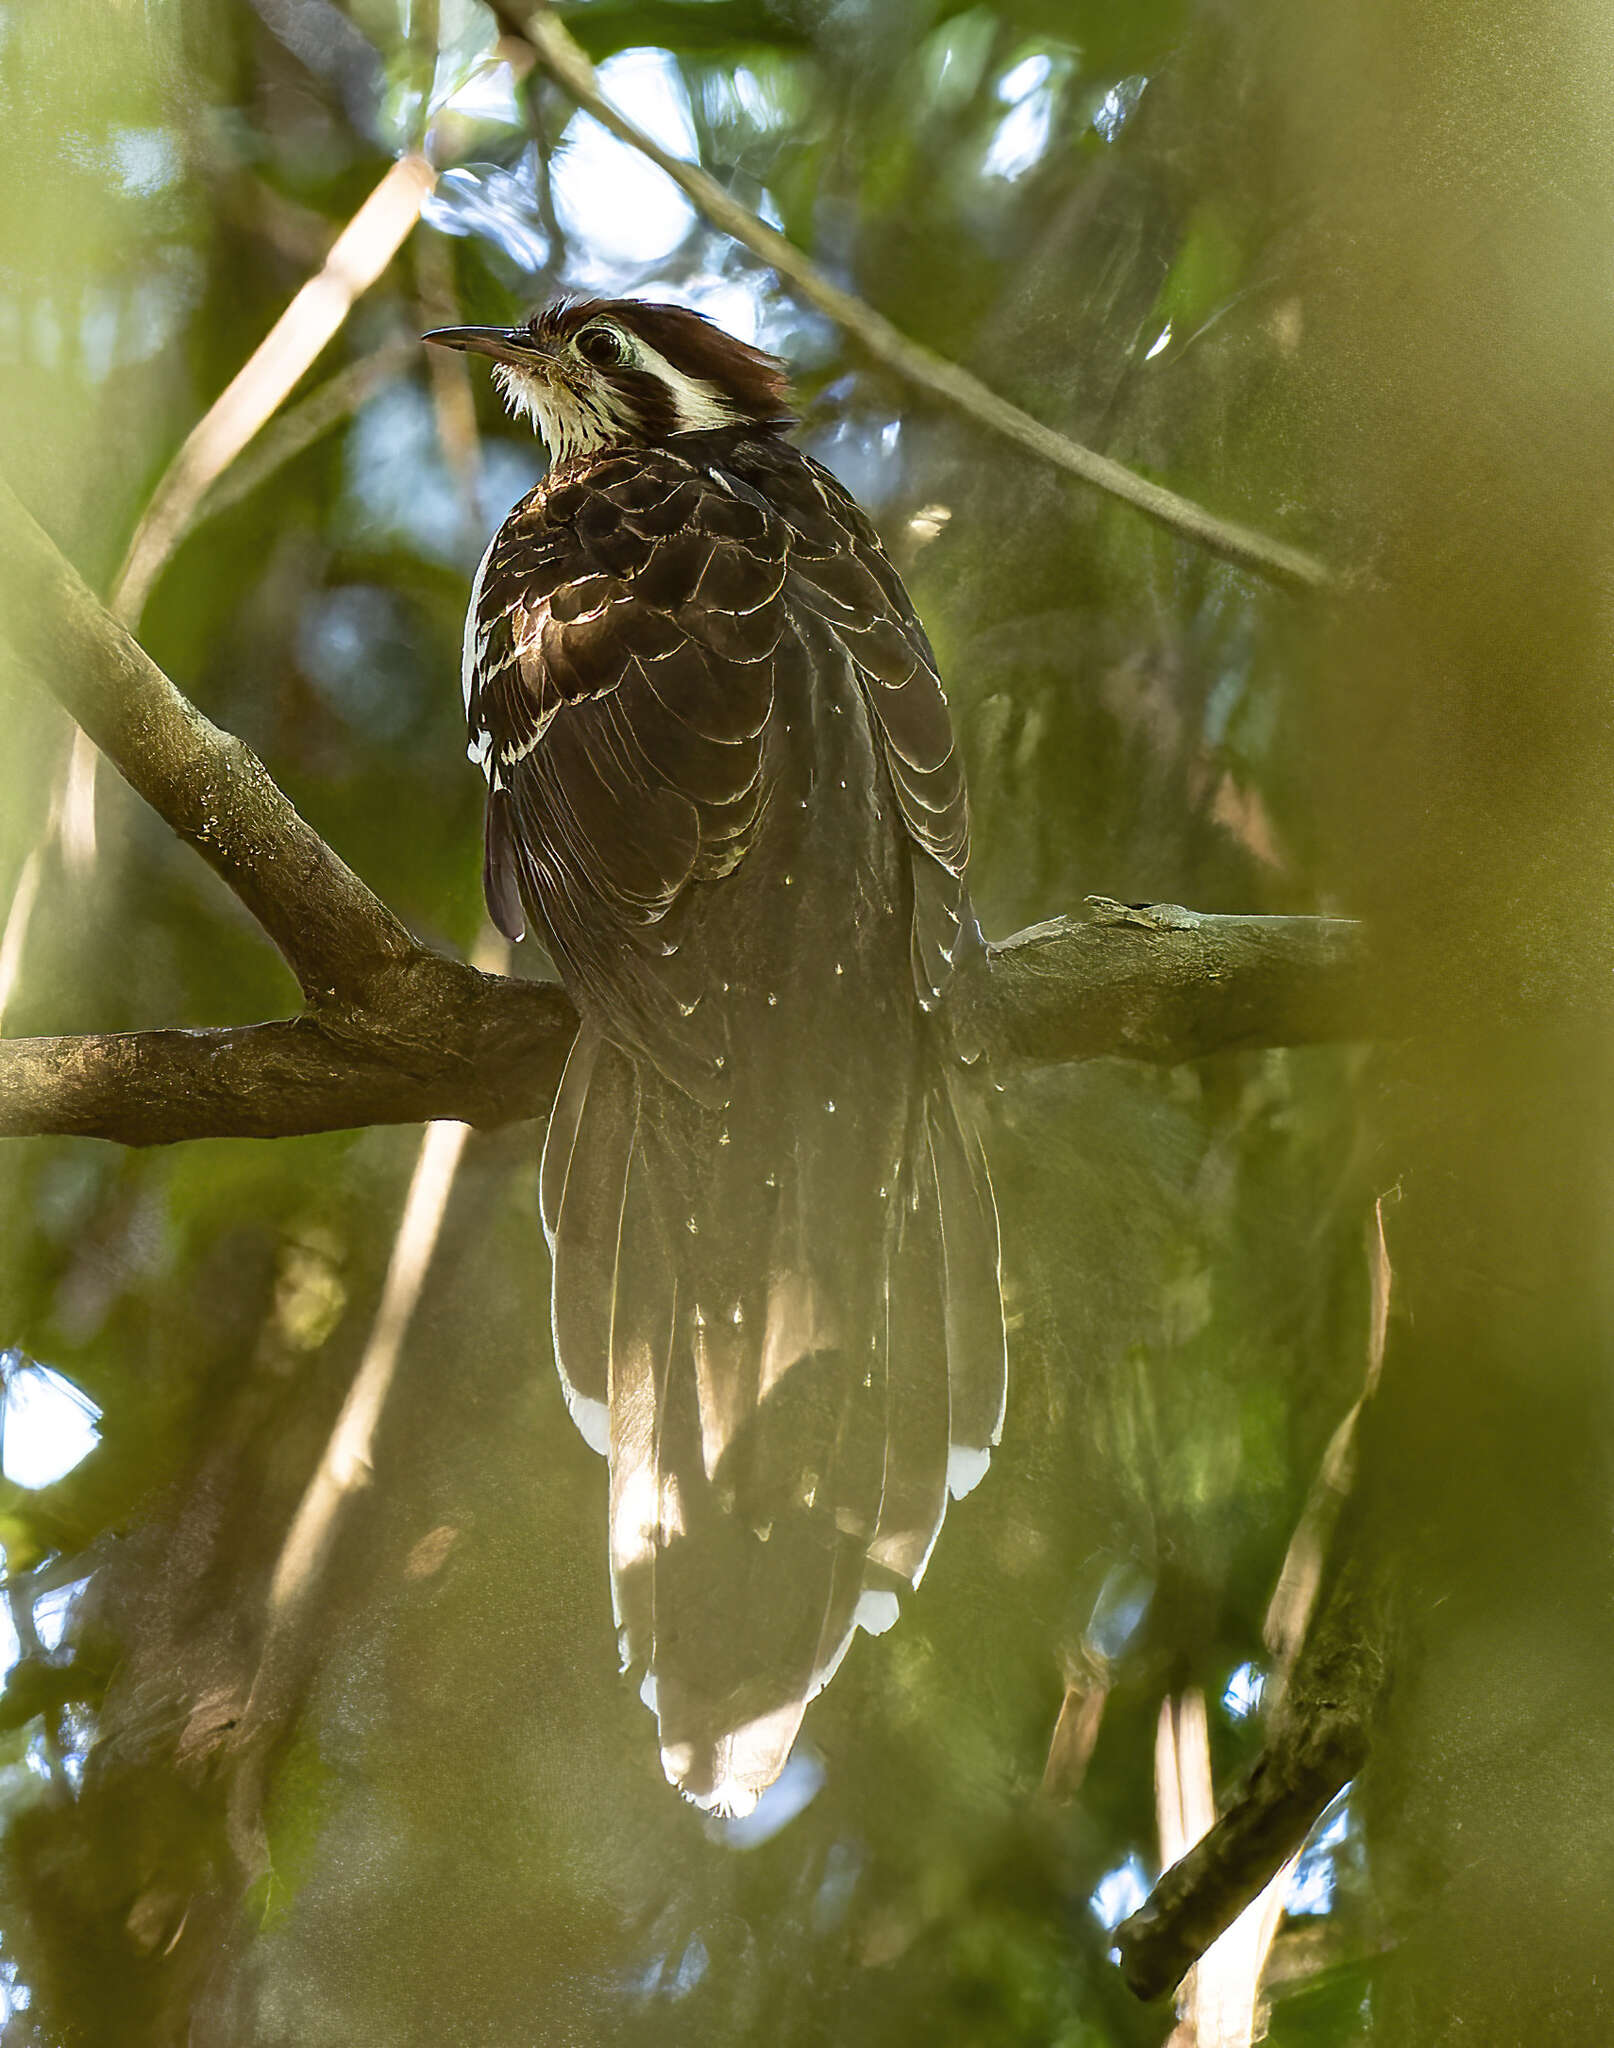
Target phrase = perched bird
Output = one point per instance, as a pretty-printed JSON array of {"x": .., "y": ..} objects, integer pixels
[{"x": 723, "y": 786}]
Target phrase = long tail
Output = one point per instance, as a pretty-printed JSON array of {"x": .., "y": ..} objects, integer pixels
[{"x": 781, "y": 1321}]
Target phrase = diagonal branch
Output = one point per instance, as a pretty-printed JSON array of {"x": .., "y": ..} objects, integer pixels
[
  {"x": 566, "y": 60},
  {"x": 1328, "y": 1679},
  {"x": 336, "y": 937},
  {"x": 204, "y": 475}
]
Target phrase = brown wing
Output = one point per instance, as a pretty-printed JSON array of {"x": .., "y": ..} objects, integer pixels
[
  {"x": 620, "y": 674},
  {"x": 840, "y": 570}
]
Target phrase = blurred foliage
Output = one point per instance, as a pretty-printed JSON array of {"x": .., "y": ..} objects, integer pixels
[{"x": 461, "y": 1832}]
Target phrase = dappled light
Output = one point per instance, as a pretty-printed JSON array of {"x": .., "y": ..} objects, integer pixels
[
  {"x": 47, "y": 1425},
  {"x": 1233, "y": 410}
]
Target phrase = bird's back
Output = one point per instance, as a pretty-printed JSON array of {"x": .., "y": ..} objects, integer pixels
[{"x": 724, "y": 783}]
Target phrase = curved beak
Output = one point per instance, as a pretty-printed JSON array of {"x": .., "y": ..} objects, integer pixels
[{"x": 503, "y": 344}]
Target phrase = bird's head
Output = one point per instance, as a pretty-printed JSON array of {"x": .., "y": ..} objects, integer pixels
[{"x": 601, "y": 373}]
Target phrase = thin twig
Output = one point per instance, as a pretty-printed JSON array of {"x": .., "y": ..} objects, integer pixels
[
  {"x": 357, "y": 258},
  {"x": 568, "y": 63},
  {"x": 287, "y": 437},
  {"x": 1322, "y": 1697}
]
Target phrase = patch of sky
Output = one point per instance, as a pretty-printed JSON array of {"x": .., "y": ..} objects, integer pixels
[
  {"x": 1311, "y": 1889},
  {"x": 1113, "y": 112},
  {"x": 1226, "y": 694},
  {"x": 1123, "y": 1601},
  {"x": 645, "y": 1983},
  {"x": 1242, "y": 1694},
  {"x": 692, "y": 1967},
  {"x": 489, "y": 95},
  {"x": 49, "y": 1426},
  {"x": 467, "y": 76},
  {"x": 1032, "y": 89},
  {"x": 762, "y": 99},
  {"x": 790, "y": 1794},
  {"x": 843, "y": 1866},
  {"x": 863, "y": 454},
  {"x": 744, "y": 299},
  {"x": 1119, "y": 1893},
  {"x": 466, "y": 34},
  {"x": 76, "y": 1730},
  {"x": 98, "y": 331},
  {"x": 1021, "y": 137},
  {"x": 1021, "y": 80},
  {"x": 618, "y": 211},
  {"x": 52, "y": 1612},
  {"x": 397, "y": 486},
  {"x": 145, "y": 160},
  {"x": 737, "y": 304},
  {"x": 117, "y": 325},
  {"x": 355, "y": 645},
  {"x": 663, "y": 1978},
  {"x": 497, "y": 205},
  {"x": 14, "y": 1995}
]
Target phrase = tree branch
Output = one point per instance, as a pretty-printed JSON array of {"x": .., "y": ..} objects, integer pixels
[
  {"x": 567, "y": 61},
  {"x": 1323, "y": 1694},
  {"x": 486, "y": 1050},
  {"x": 1318, "y": 1742},
  {"x": 337, "y": 938},
  {"x": 1159, "y": 983},
  {"x": 395, "y": 1033},
  {"x": 474, "y": 1047}
]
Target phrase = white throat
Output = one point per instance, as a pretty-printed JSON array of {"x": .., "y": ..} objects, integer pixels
[{"x": 573, "y": 422}]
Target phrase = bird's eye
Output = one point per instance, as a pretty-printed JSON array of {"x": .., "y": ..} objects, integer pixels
[{"x": 601, "y": 346}]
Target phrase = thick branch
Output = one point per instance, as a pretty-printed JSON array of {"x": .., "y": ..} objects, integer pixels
[
  {"x": 1157, "y": 982},
  {"x": 213, "y": 790},
  {"x": 450, "y": 1042},
  {"x": 455, "y": 1043},
  {"x": 564, "y": 57}
]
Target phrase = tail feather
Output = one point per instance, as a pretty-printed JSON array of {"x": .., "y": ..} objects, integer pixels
[
  {"x": 590, "y": 1129},
  {"x": 977, "y": 1364},
  {"x": 649, "y": 1509},
  {"x": 793, "y": 1354},
  {"x": 913, "y": 1499}
]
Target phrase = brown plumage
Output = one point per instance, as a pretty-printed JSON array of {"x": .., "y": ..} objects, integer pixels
[{"x": 722, "y": 782}]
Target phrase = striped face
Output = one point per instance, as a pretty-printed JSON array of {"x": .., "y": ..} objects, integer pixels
[{"x": 605, "y": 373}]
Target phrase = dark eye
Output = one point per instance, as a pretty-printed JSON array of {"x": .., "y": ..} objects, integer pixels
[{"x": 600, "y": 346}]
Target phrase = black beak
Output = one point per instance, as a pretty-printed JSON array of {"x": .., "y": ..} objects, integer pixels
[{"x": 503, "y": 344}]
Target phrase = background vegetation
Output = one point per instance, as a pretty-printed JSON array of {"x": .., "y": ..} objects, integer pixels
[{"x": 1340, "y": 273}]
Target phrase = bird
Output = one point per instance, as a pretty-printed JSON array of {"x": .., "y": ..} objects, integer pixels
[{"x": 724, "y": 791}]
